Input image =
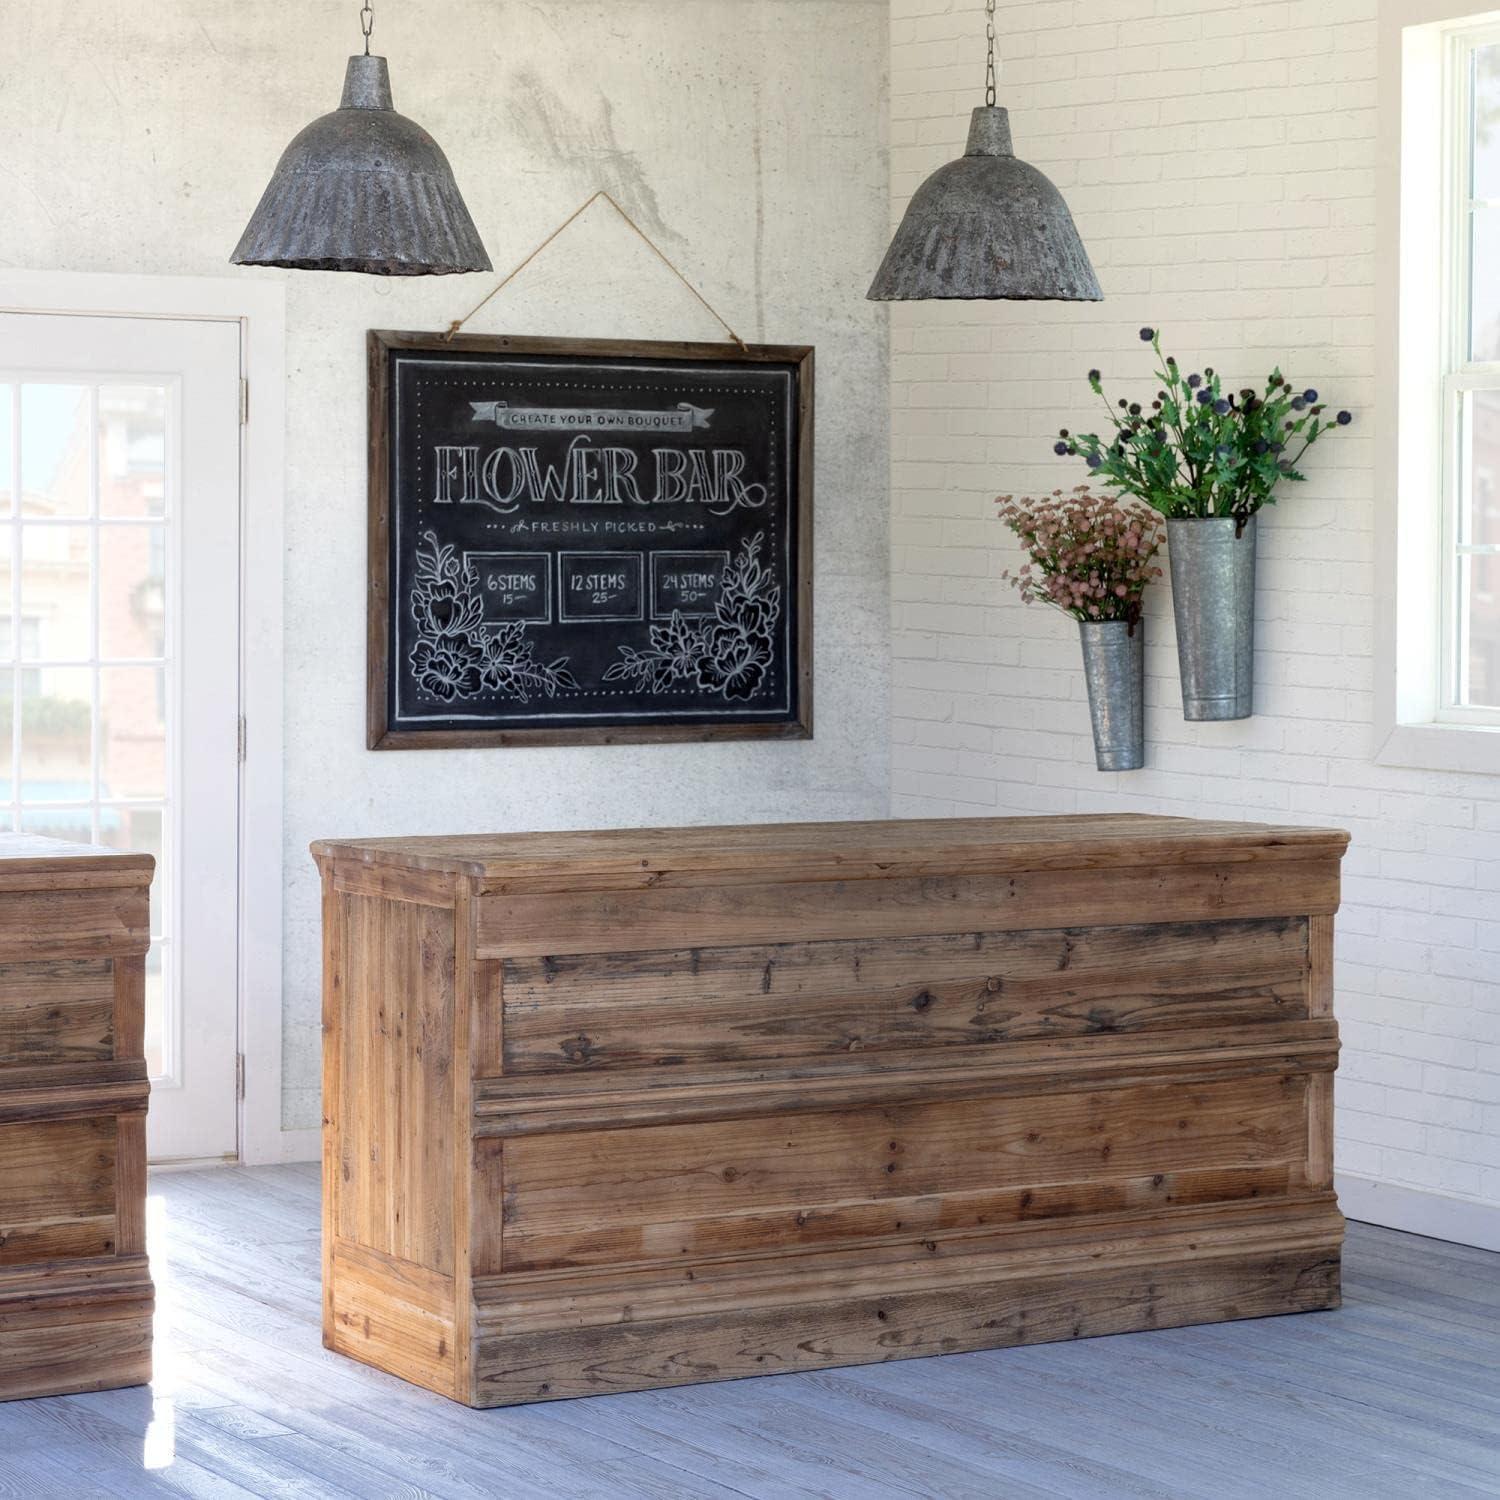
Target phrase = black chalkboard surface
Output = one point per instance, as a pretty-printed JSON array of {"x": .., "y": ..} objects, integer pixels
[{"x": 585, "y": 542}]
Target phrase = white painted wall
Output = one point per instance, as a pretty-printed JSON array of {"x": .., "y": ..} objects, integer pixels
[
  {"x": 1221, "y": 163},
  {"x": 745, "y": 135}
]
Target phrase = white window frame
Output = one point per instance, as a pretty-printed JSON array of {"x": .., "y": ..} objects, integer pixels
[
  {"x": 258, "y": 305},
  {"x": 1421, "y": 283}
]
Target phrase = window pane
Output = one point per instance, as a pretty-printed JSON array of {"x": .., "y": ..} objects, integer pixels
[
  {"x": 55, "y": 450},
  {"x": 55, "y": 616},
  {"x": 132, "y": 591},
  {"x": 7, "y": 625},
  {"x": 1487, "y": 122},
  {"x": 57, "y": 744},
  {"x": 1479, "y": 506},
  {"x": 1479, "y": 628},
  {"x": 138, "y": 829},
  {"x": 7, "y": 722},
  {"x": 1484, "y": 286},
  {"x": 132, "y": 450},
  {"x": 132, "y": 732},
  {"x": 7, "y": 447}
]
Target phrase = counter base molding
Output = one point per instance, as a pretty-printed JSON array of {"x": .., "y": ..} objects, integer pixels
[
  {"x": 612, "y": 1111},
  {"x": 76, "y": 1297}
]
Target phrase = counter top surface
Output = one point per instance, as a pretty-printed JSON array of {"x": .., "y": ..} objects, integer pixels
[
  {"x": 21, "y": 851},
  {"x": 855, "y": 848}
]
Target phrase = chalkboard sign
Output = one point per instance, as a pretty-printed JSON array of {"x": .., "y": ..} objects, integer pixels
[{"x": 584, "y": 542}]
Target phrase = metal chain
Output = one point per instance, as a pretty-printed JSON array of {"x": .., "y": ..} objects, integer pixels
[
  {"x": 989, "y": 36},
  {"x": 367, "y": 22}
]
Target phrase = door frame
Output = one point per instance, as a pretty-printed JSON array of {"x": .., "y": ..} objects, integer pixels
[{"x": 258, "y": 305}]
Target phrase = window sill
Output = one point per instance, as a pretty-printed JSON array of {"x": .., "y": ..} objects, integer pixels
[{"x": 1470, "y": 748}]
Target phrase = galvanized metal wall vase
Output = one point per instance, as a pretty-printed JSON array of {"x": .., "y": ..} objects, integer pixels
[
  {"x": 1212, "y": 559},
  {"x": 1208, "y": 459},
  {"x": 1114, "y": 671},
  {"x": 1092, "y": 558}
]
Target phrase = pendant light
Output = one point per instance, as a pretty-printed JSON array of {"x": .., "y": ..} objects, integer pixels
[
  {"x": 987, "y": 225},
  {"x": 363, "y": 189}
]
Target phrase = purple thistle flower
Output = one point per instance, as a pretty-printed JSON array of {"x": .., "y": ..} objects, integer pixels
[
  {"x": 1147, "y": 334},
  {"x": 1094, "y": 460},
  {"x": 1059, "y": 448},
  {"x": 1344, "y": 419},
  {"x": 1194, "y": 381},
  {"x": 1221, "y": 407},
  {"x": 1204, "y": 397},
  {"x": 1309, "y": 396}
]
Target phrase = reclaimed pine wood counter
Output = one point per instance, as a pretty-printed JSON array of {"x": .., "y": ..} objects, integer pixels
[
  {"x": 606, "y": 1111},
  {"x": 75, "y": 1290}
]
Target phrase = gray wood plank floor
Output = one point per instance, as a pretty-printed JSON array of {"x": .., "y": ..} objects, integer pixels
[{"x": 1396, "y": 1394}]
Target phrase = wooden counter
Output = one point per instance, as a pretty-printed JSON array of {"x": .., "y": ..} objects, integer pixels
[
  {"x": 75, "y": 1290},
  {"x": 606, "y": 1111}
]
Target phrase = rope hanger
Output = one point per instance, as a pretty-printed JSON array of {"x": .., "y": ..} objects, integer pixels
[{"x": 456, "y": 326}]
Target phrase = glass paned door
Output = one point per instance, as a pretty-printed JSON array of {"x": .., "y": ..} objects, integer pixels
[{"x": 119, "y": 518}]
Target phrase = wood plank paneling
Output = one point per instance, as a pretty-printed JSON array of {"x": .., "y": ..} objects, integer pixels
[
  {"x": 611, "y": 1099},
  {"x": 57, "y": 1010},
  {"x": 56, "y": 1170},
  {"x": 395, "y": 1081},
  {"x": 680, "y": 1006},
  {"x": 864, "y": 1326},
  {"x": 528, "y": 925},
  {"x": 88, "y": 1353},
  {"x": 396, "y": 1315},
  {"x": 92, "y": 923},
  {"x": 646, "y": 1183},
  {"x": 918, "y": 1218}
]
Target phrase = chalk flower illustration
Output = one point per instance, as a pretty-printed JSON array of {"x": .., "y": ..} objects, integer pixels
[
  {"x": 729, "y": 653},
  {"x": 447, "y": 669},
  {"x": 733, "y": 661},
  {"x": 456, "y": 655}
]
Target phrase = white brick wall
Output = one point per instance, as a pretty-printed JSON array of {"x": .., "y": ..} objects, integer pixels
[{"x": 1220, "y": 162}]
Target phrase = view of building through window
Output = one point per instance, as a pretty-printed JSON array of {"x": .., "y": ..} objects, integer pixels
[{"x": 84, "y": 684}]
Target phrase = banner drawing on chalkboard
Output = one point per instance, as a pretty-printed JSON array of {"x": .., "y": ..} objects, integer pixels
[{"x": 574, "y": 542}]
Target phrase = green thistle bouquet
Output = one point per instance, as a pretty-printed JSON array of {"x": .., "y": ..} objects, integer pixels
[{"x": 1198, "y": 451}]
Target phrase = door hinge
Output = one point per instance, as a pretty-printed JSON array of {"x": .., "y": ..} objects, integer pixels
[
  {"x": 239, "y": 1075},
  {"x": 244, "y": 399},
  {"x": 239, "y": 738}
]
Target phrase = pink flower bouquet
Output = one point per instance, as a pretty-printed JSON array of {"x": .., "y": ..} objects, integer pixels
[{"x": 1088, "y": 554}]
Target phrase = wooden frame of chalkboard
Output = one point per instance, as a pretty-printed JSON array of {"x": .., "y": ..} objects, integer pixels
[{"x": 584, "y": 542}]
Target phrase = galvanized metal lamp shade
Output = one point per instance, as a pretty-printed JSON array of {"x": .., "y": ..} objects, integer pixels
[
  {"x": 987, "y": 226},
  {"x": 363, "y": 189}
]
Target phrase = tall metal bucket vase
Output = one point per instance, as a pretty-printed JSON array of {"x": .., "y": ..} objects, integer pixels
[
  {"x": 1114, "y": 667},
  {"x": 1213, "y": 600}
]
